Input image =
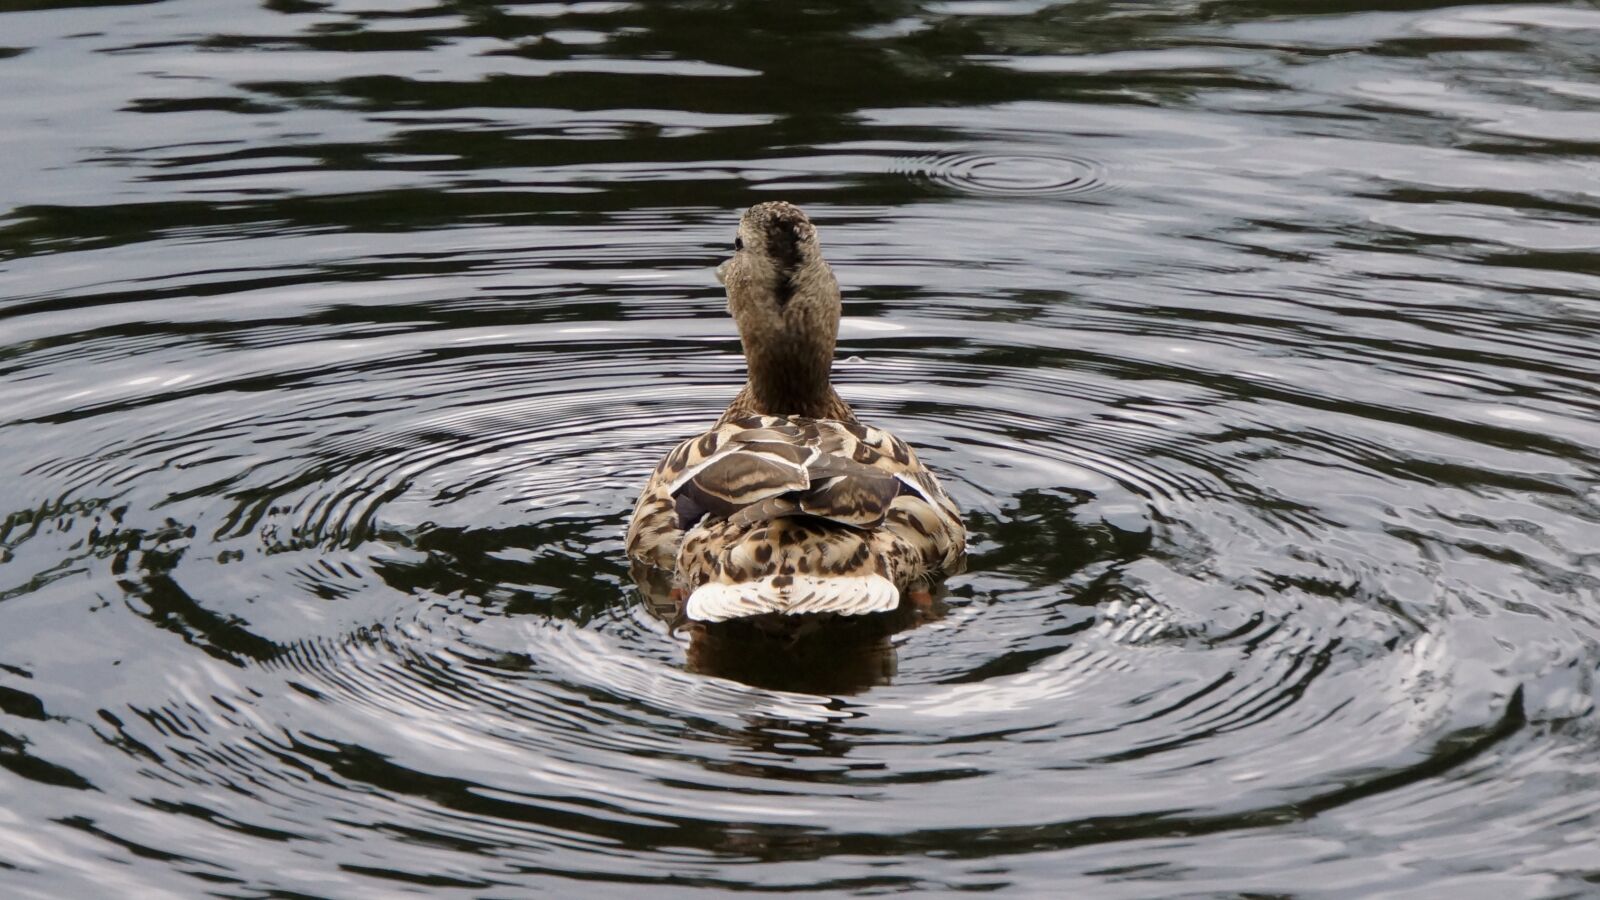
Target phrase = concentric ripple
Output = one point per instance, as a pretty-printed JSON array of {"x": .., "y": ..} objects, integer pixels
[
  {"x": 339, "y": 343},
  {"x": 1007, "y": 174},
  {"x": 421, "y": 600}
]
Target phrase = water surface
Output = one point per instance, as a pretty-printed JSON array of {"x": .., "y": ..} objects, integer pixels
[{"x": 1257, "y": 341}]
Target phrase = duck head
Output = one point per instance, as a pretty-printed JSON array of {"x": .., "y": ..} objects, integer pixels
[{"x": 785, "y": 301}]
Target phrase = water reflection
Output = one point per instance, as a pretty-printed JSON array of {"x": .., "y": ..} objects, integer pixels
[
  {"x": 822, "y": 655},
  {"x": 839, "y": 658}
]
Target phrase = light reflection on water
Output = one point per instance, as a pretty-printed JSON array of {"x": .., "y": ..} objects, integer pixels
[{"x": 1255, "y": 340}]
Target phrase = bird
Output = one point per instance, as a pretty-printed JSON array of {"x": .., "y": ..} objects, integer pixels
[{"x": 789, "y": 508}]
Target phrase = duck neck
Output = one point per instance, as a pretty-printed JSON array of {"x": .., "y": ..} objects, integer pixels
[{"x": 789, "y": 377}]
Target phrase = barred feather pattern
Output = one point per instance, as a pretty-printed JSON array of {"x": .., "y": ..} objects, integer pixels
[{"x": 792, "y": 515}]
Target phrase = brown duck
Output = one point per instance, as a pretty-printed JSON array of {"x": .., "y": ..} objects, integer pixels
[{"x": 788, "y": 505}]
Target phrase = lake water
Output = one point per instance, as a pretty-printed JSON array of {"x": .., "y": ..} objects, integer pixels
[{"x": 1258, "y": 341}]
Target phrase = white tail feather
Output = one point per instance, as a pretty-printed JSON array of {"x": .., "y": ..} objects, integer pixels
[{"x": 848, "y": 596}]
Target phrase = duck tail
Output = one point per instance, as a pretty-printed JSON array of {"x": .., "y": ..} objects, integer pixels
[
  {"x": 793, "y": 595},
  {"x": 791, "y": 567}
]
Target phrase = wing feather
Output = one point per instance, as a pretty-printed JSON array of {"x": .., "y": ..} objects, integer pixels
[{"x": 757, "y": 469}]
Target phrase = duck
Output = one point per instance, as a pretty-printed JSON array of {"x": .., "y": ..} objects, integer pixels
[{"x": 789, "y": 507}]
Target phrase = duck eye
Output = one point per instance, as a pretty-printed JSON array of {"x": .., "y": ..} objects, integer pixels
[{"x": 738, "y": 244}]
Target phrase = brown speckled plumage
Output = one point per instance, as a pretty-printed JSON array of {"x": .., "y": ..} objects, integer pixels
[{"x": 789, "y": 504}]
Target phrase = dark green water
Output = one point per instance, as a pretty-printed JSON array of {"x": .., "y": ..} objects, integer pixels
[{"x": 1257, "y": 340}]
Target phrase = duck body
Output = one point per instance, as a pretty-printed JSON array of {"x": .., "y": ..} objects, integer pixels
[
  {"x": 789, "y": 508},
  {"x": 794, "y": 515}
]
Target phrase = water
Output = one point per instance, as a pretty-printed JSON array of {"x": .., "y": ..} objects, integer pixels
[{"x": 1257, "y": 341}]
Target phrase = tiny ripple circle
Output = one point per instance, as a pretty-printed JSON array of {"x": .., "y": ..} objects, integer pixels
[{"x": 1008, "y": 174}]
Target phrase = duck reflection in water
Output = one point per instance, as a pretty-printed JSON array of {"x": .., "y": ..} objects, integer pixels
[
  {"x": 790, "y": 534},
  {"x": 814, "y": 654}
]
